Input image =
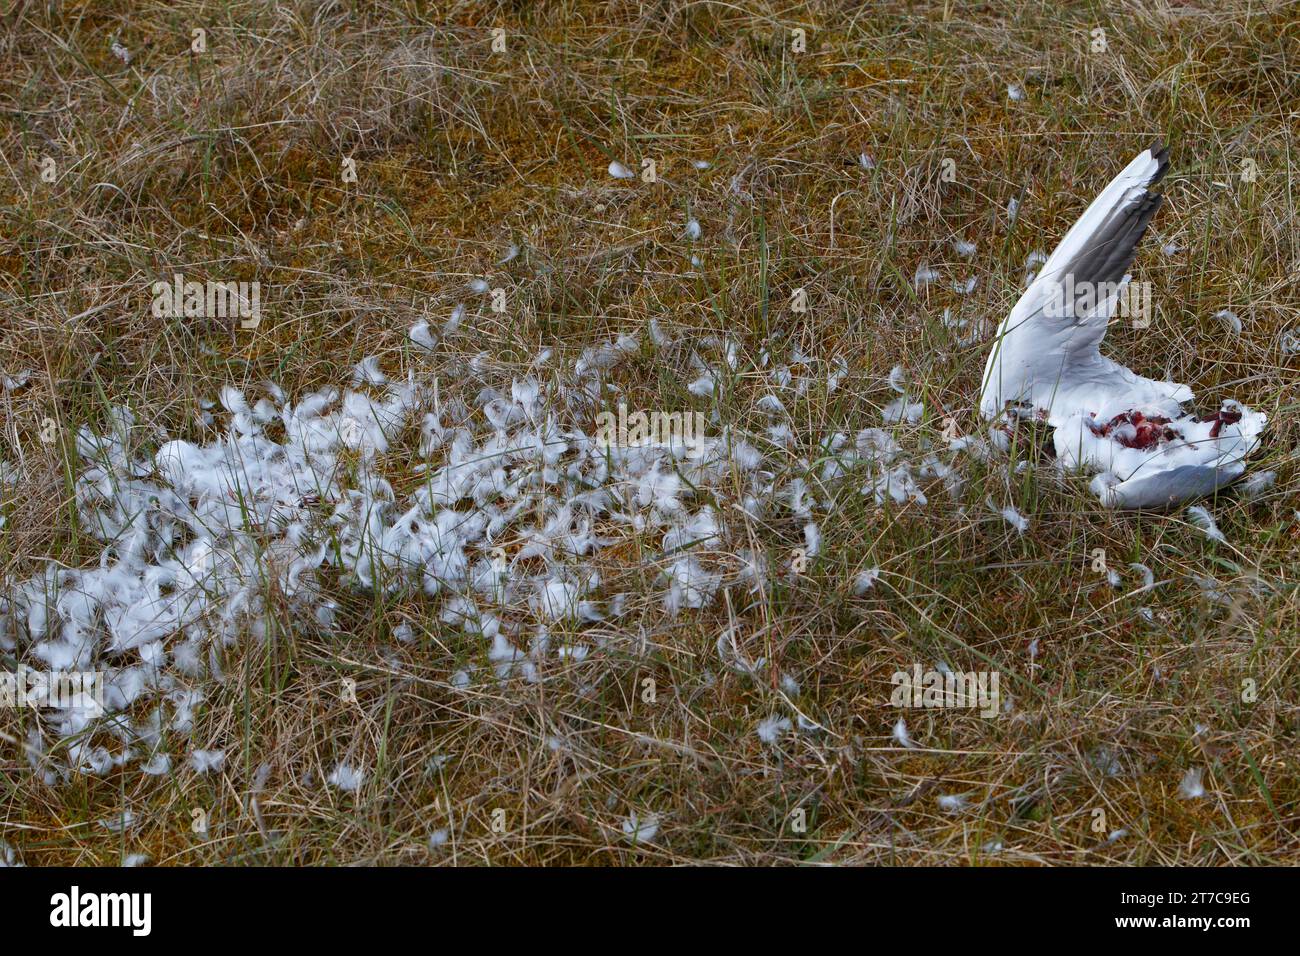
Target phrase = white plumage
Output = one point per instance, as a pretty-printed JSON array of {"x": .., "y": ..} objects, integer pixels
[{"x": 1046, "y": 364}]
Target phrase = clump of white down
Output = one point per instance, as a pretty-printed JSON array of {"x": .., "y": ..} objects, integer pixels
[{"x": 292, "y": 500}]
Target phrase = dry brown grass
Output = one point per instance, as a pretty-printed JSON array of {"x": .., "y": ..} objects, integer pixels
[{"x": 226, "y": 165}]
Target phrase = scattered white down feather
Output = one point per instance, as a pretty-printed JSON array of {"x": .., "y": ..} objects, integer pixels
[
  {"x": 812, "y": 537},
  {"x": 864, "y": 581},
  {"x": 1108, "y": 761},
  {"x": 704, "y": 386},
  {"x": 619, "y": 171},
  {"x": 1045, "y": 363},
  {"x": 952, "y": 802},
  {"x": 901, "y": 411},
  {"x": 207, "y": 761},
  {"x": 158, "y": 765},
  {"x": 11, "y": 383},
  {"x": 1191, "y": 787},
  {"x": 734, "y": 658},
  {"x": 347, "y": 778},
  {"x": 901, "y": 737},
  {"x": 638, "y": 829},
  {"x": 1230, "y": 319},
  {"x": 292, "y": 500},
  {"x": 454, "y": 320},
  {"x": 924, "y": 276},
  {"x": 1254, "y": 486},
  {"x": 367, "y": 372},
  {"x": 1202, "y": 518},
  {"x": 772, "y": 729},
  {"x": 1212, "y": 590},
  {"x": 1014, "y": 518},
  {"x": 422, "y": 337},
  {"x": 1015, "y": 92},
  {"x": 839, "y": 371},
  {"x": 120, "y": 822},
  {"x": 1148, "y": 576},
  {"x": 693, "y": 230}
]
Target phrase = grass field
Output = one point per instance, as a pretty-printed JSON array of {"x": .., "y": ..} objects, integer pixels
[{"x": 833, "y": 148}]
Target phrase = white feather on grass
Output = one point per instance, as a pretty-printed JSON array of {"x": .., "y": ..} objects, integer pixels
[
  {"x": 244, "y": 504},
  {"x": 901, "y": 411},
  {"x": 812, "y": 537},
  {"x": 772, "y": 729},
  {"x": 1191, "y": 787},
  {"x": 1257, "y": 484},
  {"x": 367, "y": 372},
  {"x": 1148, "y": 576},
  {"x": 924, "y": 276},
  {"x": 952, "y": 802},
  {"x": 901, "y": 737},
  {"x": 453, "y": 320},
  {"x": 1201, "y": 518},
  {"x": 347, "y": 778},
  {"x": 640, "y": 830},
  {"x": 864, "y": 581},
  {"x": 11, "y": 383},
  {"x": 207, "y": 761},
  {"x": 1231, "y": 320},
  {"x": 1014, "y": 518},
  {"x": 422, "y": 337}
]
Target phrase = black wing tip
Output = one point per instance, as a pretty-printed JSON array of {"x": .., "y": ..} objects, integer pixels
[{"x": 1160, "y": 153}]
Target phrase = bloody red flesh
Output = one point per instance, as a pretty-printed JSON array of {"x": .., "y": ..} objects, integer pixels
[
  {"x": 1149, "y": 431},
  {"x": 1226, "y": 416}
]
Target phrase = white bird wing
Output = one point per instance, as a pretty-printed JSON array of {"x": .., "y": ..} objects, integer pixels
[{"x": 1046, "y": 350}]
